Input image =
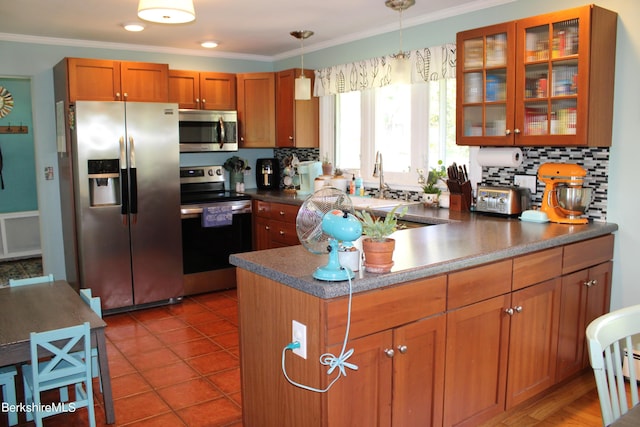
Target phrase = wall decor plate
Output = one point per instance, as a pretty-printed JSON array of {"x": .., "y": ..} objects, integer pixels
[{"x": 6, "y": 102}]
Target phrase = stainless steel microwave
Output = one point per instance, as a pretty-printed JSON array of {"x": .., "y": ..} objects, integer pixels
[{"x": 205, "y": 130}]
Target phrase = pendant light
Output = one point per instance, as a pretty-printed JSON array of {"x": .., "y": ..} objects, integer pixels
[
  {"x": 167, "y": 11},
  {"x": 400, "y": 63},
  {"x": 303, "y": 83}
]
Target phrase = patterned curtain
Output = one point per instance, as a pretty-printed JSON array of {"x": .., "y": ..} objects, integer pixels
[{"x": 428, "y": 64}]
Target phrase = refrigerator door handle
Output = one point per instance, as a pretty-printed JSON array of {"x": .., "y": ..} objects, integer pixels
[
  {"x": 133, "y": 178},
  {"x": 124, "y": 182}
]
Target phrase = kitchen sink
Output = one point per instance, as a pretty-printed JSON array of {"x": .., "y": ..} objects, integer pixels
[{"x": 360, "y": 202}]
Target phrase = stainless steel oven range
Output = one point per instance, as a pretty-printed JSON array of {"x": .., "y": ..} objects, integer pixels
[{"x": 208, "y": 242}]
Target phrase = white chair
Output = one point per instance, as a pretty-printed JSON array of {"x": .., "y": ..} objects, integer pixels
[
  {"x": 31, "y": 280},
  {"x": 60, "y": 370},
  {"x": 609, "y": 338},
  {"x": 8, "y": 384}
]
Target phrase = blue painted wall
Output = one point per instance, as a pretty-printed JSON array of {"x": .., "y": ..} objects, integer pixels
[{"x": 19, "y": 173}]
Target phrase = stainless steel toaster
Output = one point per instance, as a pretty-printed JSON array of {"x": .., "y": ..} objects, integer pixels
[{"x": 503, "y": 200}]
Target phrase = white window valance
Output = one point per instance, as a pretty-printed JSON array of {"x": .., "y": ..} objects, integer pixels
[{"x": 428, "y": 64}]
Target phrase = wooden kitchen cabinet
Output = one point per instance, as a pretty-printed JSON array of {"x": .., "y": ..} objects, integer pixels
[
  {"x": 202, "y": 90},
  {"x": 256, "y": 102},
  {"x": 477, "y": 356},
  {"x": 586, "y": 295},
  {"x": 274, "y": 225},
  {"x": 297, "y": 122},
  {"x": 491, "y": 337},
  {"x": 403, "y": 388},
  {"x": 544, "y": 80},
  {"x": 491, "y": 343},
  {"x": 106, "y": 80}
]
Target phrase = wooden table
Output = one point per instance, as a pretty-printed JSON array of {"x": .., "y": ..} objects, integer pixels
[
  {"x": 46, "y": 306},
  {"x": 630, "y": 419}
]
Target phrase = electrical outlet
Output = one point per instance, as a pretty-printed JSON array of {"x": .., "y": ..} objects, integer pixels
[
  {"x": 526, "y": 181},
  {"x": 299, "y": 333}
]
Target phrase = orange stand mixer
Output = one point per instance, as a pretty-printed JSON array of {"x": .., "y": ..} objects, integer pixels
[{"x": 565, "y": 199}]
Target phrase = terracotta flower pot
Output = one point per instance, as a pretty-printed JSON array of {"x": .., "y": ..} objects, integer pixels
[{"x": 378, "y": 256}]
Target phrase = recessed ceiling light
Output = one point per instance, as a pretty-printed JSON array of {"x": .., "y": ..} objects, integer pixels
[
  {"x": 133, "y": 26},
  {"x": 209, "y": 44}
]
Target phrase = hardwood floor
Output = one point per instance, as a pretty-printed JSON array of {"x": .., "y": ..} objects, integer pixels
[{"x": 574, "y": 404}]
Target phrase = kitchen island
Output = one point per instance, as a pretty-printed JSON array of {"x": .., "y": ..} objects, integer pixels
[{"x": 477, "y": 315}]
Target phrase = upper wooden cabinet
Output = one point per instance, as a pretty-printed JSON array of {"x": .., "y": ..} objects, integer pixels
[
  {"x": 256, "y": 110},
  {"x": 202, "y": 90},
  {"x": 545, "y": 80},
  {"x": 84, "y": 79},
  {"x": 297, "y": 122}
]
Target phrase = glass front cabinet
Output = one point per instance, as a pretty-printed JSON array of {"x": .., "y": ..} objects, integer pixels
[{"x": 540, "y": 81}]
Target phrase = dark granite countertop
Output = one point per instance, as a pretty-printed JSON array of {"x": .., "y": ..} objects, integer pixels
[{"x": 457, "y": 241}]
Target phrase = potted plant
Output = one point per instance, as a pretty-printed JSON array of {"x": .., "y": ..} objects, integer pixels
[
  {"x": 377, "y": 246},
  {"x": 431, "y": 190},
  {"x": 236, "y": 167},
  {"x": 327, "y": 167}
]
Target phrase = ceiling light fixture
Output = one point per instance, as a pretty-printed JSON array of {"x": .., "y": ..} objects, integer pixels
[
  {"x": 400, "y": 65},
  {"x": 303, "y": 83},
  {"x": 133, "y": 26},
  {"x": 167, "y": 11},
  {"x": 209, "y": 44}
]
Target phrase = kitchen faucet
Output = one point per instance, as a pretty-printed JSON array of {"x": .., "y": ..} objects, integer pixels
[{"x": 379, "y": 173}]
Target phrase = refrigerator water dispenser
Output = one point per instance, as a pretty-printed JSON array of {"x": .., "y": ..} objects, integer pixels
[{"x": 104, "y": 182}]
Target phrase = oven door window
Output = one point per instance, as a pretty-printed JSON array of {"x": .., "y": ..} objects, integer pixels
[
  {"x": 199, "y": 132},
  {"x": 208, "y": 248}
]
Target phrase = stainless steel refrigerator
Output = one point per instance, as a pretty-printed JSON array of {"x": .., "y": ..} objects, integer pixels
[{"x": 125, "y": 203}]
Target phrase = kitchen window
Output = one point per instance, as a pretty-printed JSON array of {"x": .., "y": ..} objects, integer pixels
[{"x": 413, "y": 126}]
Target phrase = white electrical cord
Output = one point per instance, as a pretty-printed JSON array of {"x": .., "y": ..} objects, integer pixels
[{"x": 328, "y": 359}]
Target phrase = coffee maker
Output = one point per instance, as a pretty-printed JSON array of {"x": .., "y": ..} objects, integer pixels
[
  {"x": 267, "y": 174},
  {"x": 565, "y": 199}
]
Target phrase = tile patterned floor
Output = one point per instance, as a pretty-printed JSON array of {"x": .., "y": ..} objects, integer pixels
[{"x": 173, "y": 366}]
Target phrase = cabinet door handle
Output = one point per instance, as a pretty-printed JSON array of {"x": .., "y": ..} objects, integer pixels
[
  {"x": 266, "y": 227},
  {"x": 204, "y": 101},
  {"x": 507, "y": 132},
  {"x": 518, "y": 309},
  {"x": 516, "y": 131},
  {"x": 281, "y": 233},
  {"x": 389, "y": 352},
  {"x": 281, "y": 213},
  {"x": 509, "y": 311},
  {"x": 402, "y": 349},
  {"x": 117, "y": 95},
  {"x": 594, "y": 282}
]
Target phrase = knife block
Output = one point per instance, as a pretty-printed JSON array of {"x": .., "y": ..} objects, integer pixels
[{"x": 461, "y": 202}]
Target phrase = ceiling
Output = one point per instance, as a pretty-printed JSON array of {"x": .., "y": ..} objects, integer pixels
[{"x": 246, "y": 28}]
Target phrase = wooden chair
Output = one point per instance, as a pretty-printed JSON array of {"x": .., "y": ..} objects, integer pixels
[
  {"x": 61, "y": 369},
  {"x": 31, "y": 280},
  {"x": 8, "y": 384},
  {"x": 609, "y": 338}
]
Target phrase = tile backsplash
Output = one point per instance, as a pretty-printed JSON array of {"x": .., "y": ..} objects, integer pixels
[{"x": 594, "y": 159}]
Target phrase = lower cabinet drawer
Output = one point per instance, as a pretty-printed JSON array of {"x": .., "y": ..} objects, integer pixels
[
  {"x": 587, "y": 253},
  {"x": 479, "y": 283},
  {"x": 386, "y": 308},
  {"x": 284, "y": 232},
  {"x": 536, "y": 267}
]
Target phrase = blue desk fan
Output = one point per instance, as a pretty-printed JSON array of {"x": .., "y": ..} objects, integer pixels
[{"x": 325, "y": 222}]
